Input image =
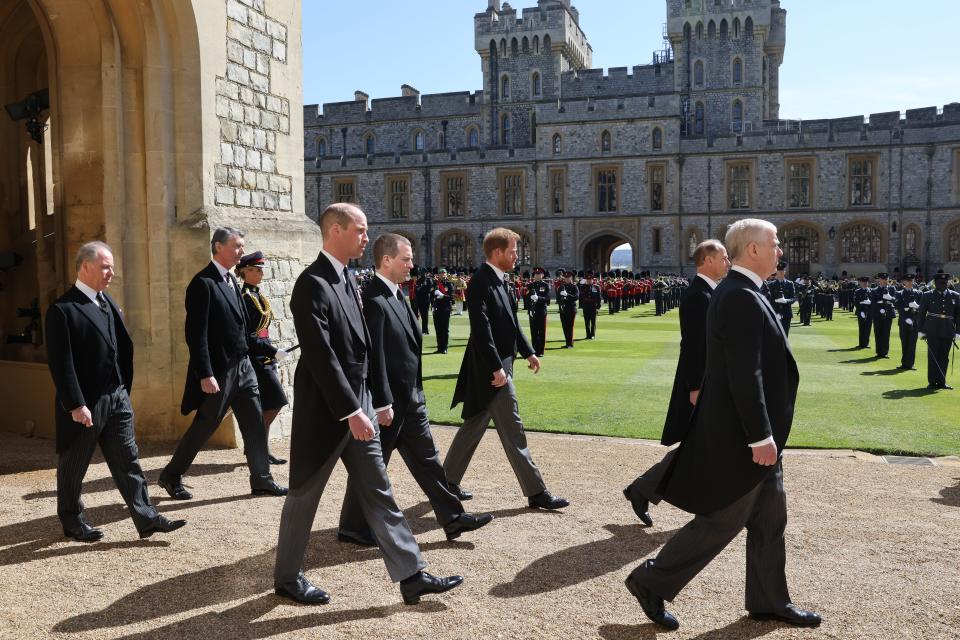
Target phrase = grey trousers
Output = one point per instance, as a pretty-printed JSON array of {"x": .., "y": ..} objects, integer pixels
[
  {"x": 238, "y": 391},
  {"x": 505, "y": 412},
  {"x": 113, "y": 430},
  {"x": 410, "y": 435},
  {"x": 364, "y": 464},
  {"x": 763, "y": 512}
]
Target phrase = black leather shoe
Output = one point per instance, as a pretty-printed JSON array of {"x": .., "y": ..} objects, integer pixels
[
  {"x": 303, "y": 592},
  {"x": 359, "y": 539},
  {"x": 268, "y": 488},
  {"x": 465, "y": 522},
  {"x": 174, "y": 489},
  {"x": 546, "y": 500},
  {"x": 161, "y": 524},
  {"x": 651, "y": 604},
  {"x": 791, "y": 614},
  {"x": 83, "y": 533},
  {"x": 460, "y": 492},
  {"x": 641, "y": 506},
  {"x": 275, "y": 460},
  {"x": 945, "y": 386},
  {"x": 426, "y": 583}
]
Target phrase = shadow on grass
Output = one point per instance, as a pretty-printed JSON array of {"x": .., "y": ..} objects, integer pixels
[
  {"x": 743, "y": 629},
  {"x": 861, "y": 360},
  {"x": 900, "y": 394},
  {"x": 583, "y": 562},
  {"x": 949, "y": 496},
  {"x": 844, "y": 350},
  {"x": 885, "y": 372}
]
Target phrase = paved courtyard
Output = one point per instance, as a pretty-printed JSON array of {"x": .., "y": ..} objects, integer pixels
[{"x": 874, "y": 547}]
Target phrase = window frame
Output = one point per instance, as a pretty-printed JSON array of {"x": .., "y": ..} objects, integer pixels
[
  {"x": 595, "y": 172},
  {"x": 874, "y": 175},
  {"x": 338, "y": 181},
  {"x": 558, "y": 242},
  {"x": 788, "y": 163},
  {"x": 389, "y": 181},
  {"x": 879, "y": 228},
  {"x": 445, "y": 177},
  {"x": 553, "y": 174},
  {"x": 502, "y": 191},
  {"x": 728, "y": 167},
  {"x": 656, "y": 240},
  {"x": 651, "y": 168},
  {"x": 656, "y": 139}
]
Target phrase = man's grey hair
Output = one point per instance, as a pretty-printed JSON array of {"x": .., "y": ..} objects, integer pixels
[
  {"x": 743, "y": 232},
  {"x": 90, "y": 251},
  {"x": 223, "y": 235}
]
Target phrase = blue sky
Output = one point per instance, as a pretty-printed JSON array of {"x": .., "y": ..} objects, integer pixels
[{"x": 843, "y": 57}]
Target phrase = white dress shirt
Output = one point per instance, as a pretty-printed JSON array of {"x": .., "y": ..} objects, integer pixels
[
  {"x": 496, "y": 270},
  {"x": 757, "y": 280},
  {"x": 708, "y": 280},
  {"x": 393, "y": 286},
  {"x": 339, "y": 267},
  {"x": 88, "y": 291}
]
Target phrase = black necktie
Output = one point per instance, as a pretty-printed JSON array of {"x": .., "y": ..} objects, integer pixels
[
  {"x": 102, "y": 301},
  {"x": 348, "y": 285}
]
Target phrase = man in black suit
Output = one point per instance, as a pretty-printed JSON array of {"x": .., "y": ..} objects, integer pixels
[
  {"x": 338, "y": 381},
  {"x": 727, "y": 470},
  {"x": 90, "y": 355},
  {"x": 712, "y": 262},
  {"x": 396, "y": 344},
  {"x": 220, "y": 375},
  {"x": 485, "y": 383}
]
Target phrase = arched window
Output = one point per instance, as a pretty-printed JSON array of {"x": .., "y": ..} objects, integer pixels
[
  {"x": 699, "y": 31},
  {"x": 456, "y": 250},
  {"x": 687, "y": 30},
  {"x": 736, "y": 27},
  {"x": 737, "y": 116},
  {"x": 911, "y": 242},
  {"x": 536, "y": 44},
  {"x": 698, "y": 73},
  {"x": 514, "y": 47},
  {"x": 535, "y": 84},
  {"x": 503, "y": 47},
  {"x": 525, "y": 46},
  {"x": 657, "y": 138},
  {"x": 505, "y": 87},
  {"x": 419, "y": 140},
  {"x": 693, "y": 239},
  {"x": 546, "y": 43},
  {"x": 524, "y": 253},
  {"x": 724, "y": 29},
  {"x": 953, "y": 243},
  {"x": 506, "y": 132},
  {"x": 698, "y": 120},
  {"x": 370, "y": 144},
  {"x": 801, "y": 247},
  {"x": 442, "y": 140},
  {"x": 737, "y": 71},
  {"x": 473, "y": 137},
  {"x": 321, "y": 147},
  {"x": 557, "y": 144},
  {"x": 860, "y": 244},
  {"x": 605, "y": 142},
  {"x": 712, "y": 29},
  {"x": 748, "y": 27}
]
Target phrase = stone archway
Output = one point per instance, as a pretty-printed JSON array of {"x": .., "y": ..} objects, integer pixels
[{"x": 597, "y": 250}]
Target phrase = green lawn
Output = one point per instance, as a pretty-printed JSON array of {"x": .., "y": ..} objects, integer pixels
[{"x": 620, "y": 383}]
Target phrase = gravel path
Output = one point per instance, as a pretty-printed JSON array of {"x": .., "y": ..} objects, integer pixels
[{"x": 873, "y": 547}]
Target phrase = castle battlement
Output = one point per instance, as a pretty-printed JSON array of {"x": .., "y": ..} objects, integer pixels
[
  {"x": 412, "y": 107},
  {"x": 583, "y": 110},
  {"x": 618, "y": 81},
  {"x": 406, "y": 160}
]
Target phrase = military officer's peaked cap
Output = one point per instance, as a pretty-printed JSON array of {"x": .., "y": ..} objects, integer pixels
[
  {"x": 863, "y": 279},
  {"x": 254, "y": 259},
  {"x": 883, "y": 275},
  {"x": 942, "y": 276}
]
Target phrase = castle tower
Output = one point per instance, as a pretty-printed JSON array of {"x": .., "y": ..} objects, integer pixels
[
  {"x": 728, "y": 55},
  {"x": 522, "y": 59}
]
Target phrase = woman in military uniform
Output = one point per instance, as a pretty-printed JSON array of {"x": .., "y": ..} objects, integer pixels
[{"x": 272, "y": 397}]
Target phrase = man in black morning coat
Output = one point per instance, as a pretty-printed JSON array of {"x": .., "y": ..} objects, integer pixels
[
  {"x": 727, "y": 471},
  {"x": 485, "y": 382},
  {"x": 340, "y": 390},
  {"x": 90, "y": 355},
  {"x": 220, "y": 375},
  {"x": 713, "y": 264}
]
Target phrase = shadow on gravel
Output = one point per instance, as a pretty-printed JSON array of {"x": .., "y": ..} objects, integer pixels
[
  {"x": 108, "y": 484},
  {"x": 32, "y": 540},
  {"x": 243, "y": 620},
  {"x": 583, "y": 562},
  {"x": 949, "y": 496},
  {"x": 227, "y": 583},
  {"x": 900, "y": 394},
  {"x": 743, "y": 629}
]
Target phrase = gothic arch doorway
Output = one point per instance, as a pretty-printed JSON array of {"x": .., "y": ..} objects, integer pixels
[{"x": 598, "y": 250}]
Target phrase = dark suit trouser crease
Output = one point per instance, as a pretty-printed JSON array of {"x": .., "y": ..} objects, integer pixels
[
  {"x": 938, "y": 359},
  {"x": 881, "y": 334},
  {"x": 441, "y": 323},
  {"x": 505, "y": 412},
  {"x": 374, "y": 494},
  {"x": 590, "y": 322},
  {"x": 410, "y": 435},
  {"x": 113, "y": 430},
  {"x": 763, "y": 511},
  {"x": 538, "y": 330},
  {"x": 238, "y": 391},
  {"x": 567, "y": 320},
  {"x": 864, "y": 324},
  {"x": 908, "y": 345}
]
